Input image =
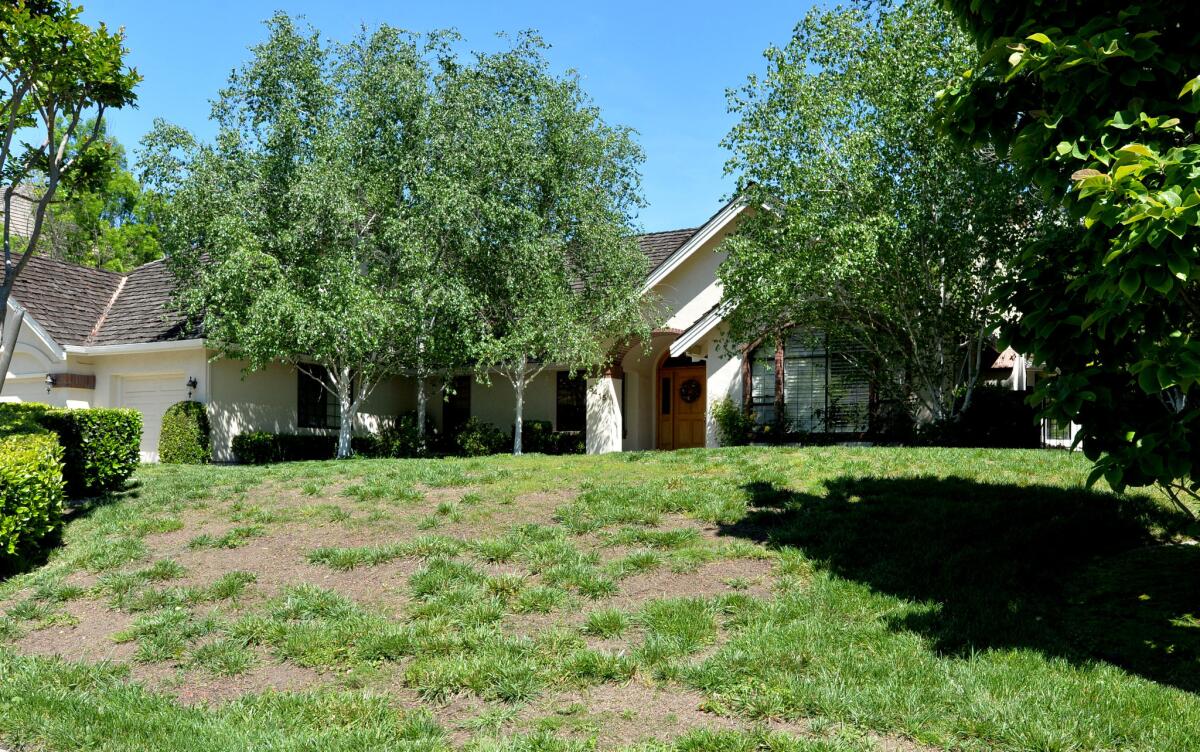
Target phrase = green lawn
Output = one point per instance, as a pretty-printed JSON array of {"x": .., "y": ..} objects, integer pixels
[{"x": 837, "y": 599}]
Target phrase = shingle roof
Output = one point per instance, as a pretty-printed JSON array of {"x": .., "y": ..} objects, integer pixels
[
  {"x": 139, "y": 313},
  {"x": 67, "y": 300},
  {"x": 658, "y": 246},
  {"x": 78, "y": 305}
]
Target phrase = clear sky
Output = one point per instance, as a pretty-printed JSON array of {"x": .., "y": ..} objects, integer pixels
[{"x": 659, "y": 67}]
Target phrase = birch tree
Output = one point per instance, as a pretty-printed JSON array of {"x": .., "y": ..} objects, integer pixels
[
  {"x": 403, "y": 135},
  {"x": 283, "y": 232},
  {"x": 60, "y": 76},
  {"x": 554, "y": 267},
  {"x": 881, "y": 230}
]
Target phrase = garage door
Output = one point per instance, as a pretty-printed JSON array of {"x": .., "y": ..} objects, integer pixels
[{"x": 151, "y": 396}]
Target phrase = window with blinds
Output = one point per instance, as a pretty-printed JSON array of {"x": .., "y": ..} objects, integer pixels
[
  {"x": 762, "y": 385},
  {"x": 823, "y": 392}
]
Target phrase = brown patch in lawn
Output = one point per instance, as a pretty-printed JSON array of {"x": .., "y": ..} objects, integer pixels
[
  {"x": 198, "y": 687},
  {"x": 89, "y": 639},
  {"x": 629, "y": 713},
  {"x": 705, "y": 581},
  {"x": 491, "y": 519},
  {"x": 280, "y": 558}
]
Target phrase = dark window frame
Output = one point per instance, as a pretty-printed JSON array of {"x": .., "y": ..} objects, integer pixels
[
  {"x": 766, "y": 380},
  {"x": 570, "y": 402},
  {"x": 315, "y": 406}
]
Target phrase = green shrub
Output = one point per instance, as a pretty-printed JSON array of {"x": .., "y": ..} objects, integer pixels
[
  {"x": 735, "y": 426},
  {"x": 400, "y": 439},
  {"x": 31, "y": 490},
  {"x": 262, "y": 447},
  {"x": 185, "y": 435},
  {"x": 478, "y": 439},
  {"x": 539, "y": 436},
  {"x": 21, "y": 417},
  {"x": 100, "y": 447}
]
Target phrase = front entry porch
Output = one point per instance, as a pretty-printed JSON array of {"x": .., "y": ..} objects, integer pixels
[{"x": 651, "y": 399}]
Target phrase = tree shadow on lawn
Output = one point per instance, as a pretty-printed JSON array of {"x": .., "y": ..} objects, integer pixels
[{"x": 1071, "y": 573}]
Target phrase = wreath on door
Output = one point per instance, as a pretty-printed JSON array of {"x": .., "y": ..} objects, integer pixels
[{"x": 689, "y": 391}]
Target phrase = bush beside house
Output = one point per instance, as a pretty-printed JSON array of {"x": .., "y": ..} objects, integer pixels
[
  {"x": 100, "y": 445},
  {"x": 31, "y": 490},
  {"x": 400, "y": 439},
  {"x": 185, "y": 435}
]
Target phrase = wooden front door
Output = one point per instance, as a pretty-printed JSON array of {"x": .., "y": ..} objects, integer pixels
[{"x": 682, "y": 407}]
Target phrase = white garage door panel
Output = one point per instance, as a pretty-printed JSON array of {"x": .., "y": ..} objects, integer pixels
[{"x": 151, "y": 396}]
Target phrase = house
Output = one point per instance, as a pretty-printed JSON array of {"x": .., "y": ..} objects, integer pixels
[{"x": 98, "y": 338}]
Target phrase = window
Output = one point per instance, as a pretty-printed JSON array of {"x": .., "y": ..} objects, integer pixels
[
  {"x": 572, "y": 402},
  {"x": 823, "y": 392},
  {"x": 456, "y": 410},
  {"x": 315, "y": 406},
  {"x": 762, "y": 385}
]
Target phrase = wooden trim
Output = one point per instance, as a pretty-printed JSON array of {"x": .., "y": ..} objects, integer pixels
[{"x": 74, "y": 381}]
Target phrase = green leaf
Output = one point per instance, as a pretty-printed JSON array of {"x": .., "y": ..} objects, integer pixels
[
  {"x": 1130, "y": 283},
  {"x": 1136, "y": 149},
  {"x": 1039, "y": 37}
]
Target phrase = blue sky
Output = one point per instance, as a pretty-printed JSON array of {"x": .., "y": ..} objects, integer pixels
[{"x": 659, "y": 67}]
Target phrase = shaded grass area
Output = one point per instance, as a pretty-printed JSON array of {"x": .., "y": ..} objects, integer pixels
[{"x": 907, "y": 599}]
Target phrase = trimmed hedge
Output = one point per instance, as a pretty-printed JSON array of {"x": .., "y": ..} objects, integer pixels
[
  {"x": 261, "y": 447},
  {"x": 100, "y": 447},
  {"x": 31, "y": 491},
  {"x": 22, "y": 417},
  {"x": 185, "y": 435},
  {"x": 539, "y": 436},
  {"x": 479, "y": 439}
]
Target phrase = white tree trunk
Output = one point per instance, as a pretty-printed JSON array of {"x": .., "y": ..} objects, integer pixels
[
  {"x": 9, "y": 331},
  {"x": 421, "y": 399},
  {"x": 345, "y": 393},
  {"x": 519, "y": 418}
]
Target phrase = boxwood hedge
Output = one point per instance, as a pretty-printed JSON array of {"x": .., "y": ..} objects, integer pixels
[
  {"x": 100, "y": 447},
  {"x": 185, "y": 435},
  {"x": 31, "y": 490}
]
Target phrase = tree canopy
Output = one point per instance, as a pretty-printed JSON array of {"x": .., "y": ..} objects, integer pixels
[
  {"x": 384, "y": 207},
  {"x": 554, "y": 269},
  {"x": 59, "y": 77},
  {"x": 291, "y": 234},
  {"x": 877, "y": 229},
  {"x": 107, "y": 222},
  {"x": 1096, "y": 104}
]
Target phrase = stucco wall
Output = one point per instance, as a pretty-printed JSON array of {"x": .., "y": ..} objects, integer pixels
[
  {"x": 496, "y": 403},
  {"x": 724, "y": 378},
  {"x": 266, "y": 400},
  {"x": 692, "y": 289}
]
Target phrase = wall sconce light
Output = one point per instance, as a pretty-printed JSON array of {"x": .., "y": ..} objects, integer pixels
[
  {"x": 191, "y": 385},
  {"x": 51, "y": 380}
]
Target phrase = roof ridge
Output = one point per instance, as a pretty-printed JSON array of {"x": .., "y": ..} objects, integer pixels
[
  {"x": 73, "y": 265},
  {"x": 104, "y": 314},
  {"x": 668, "y": 232}
]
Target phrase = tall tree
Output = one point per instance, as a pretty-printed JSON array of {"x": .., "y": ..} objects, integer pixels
[
  {"x": 1098, "y": 104},
  {"x": 878, "y": 230},
  {"x": 405, "y": 135},
  {"x": 555, "y": 270},
  {"x": 59, "y": 75},
  {"x": 285, "y": 232},
  {"x": 106, "y": 223}
]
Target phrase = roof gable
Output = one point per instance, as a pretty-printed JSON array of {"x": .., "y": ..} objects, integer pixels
[{"x": 81, "y": 306}]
